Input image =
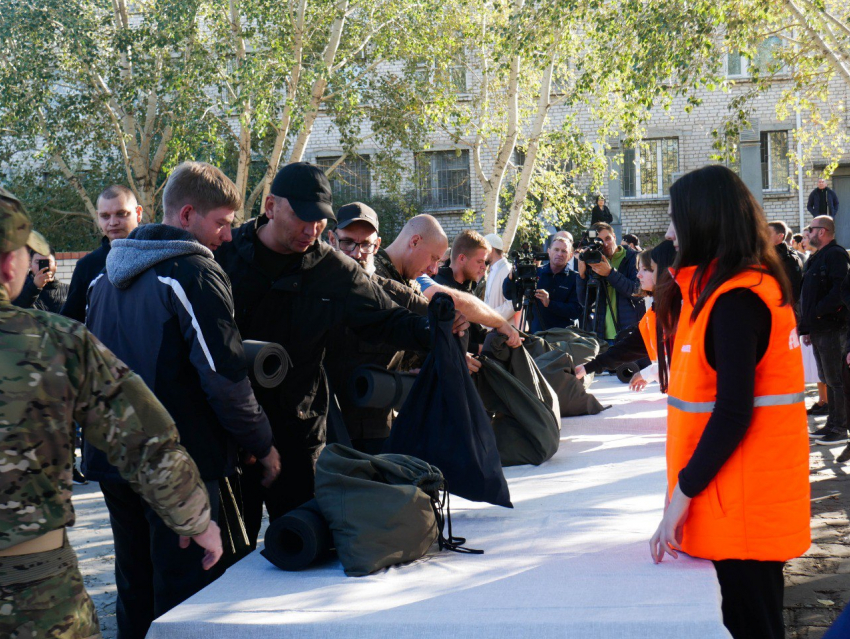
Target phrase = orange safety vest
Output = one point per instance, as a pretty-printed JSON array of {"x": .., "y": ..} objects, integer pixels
[
  {"x": 647, "y": 332},
  {"x": 757, "y": 507}
]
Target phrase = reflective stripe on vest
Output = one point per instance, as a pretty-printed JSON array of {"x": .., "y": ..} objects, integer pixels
[{"x": 758, "y": 402}]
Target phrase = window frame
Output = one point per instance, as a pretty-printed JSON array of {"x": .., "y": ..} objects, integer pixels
[
  {"x": 660, "y": 181},
  {"x": 767, "y": 152},
  {"x": 425, "y": 190},
  {"x": 339, "y": 188}
]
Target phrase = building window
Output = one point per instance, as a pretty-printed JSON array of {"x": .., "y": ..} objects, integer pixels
[
  {"x": 452, "y": 75},
  {"x": 443, "y": 179},
  {"x": 775, "y": 165},
  {"x": 739, "y": 65},
  {"x": 648, "y": 168},
  {"x": 736, "y": 65},
  {"x": 351, "y": 181}
]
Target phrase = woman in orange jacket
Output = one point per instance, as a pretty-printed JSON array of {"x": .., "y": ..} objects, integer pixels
[{"x": 737, "y": 447}]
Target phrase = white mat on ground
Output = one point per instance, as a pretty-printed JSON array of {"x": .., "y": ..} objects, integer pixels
[{"x": 570, "y": 560}]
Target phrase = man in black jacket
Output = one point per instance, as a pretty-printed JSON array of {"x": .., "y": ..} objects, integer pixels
[
  {"x": 118, "y": 214},
  {"x": 468, "y": 265},
  {"x": 823, "y": 322},
  {"x": 41, "y": 290},
  {"x": 292, "y": 289},
  {"x": 356, "y": 235},
  {"x": 790, "y": 260},
  {"x": 822, "y": 200},
  {"x": 165, "y": 308}
]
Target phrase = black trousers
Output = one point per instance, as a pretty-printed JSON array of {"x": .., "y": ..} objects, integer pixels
[
  {"x": 752, "y": 598},
  {"x": 152, "y": 573},
  {"x": 299, "y": 443}
]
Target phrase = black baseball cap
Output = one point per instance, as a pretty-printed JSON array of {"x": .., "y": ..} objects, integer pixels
[
  {"x": 307, "y": 189},
  {"x": 356, "y": 212}
]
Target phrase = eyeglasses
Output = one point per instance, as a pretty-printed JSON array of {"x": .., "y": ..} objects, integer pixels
[
  {"x": 815, "y": 228},
  {"x": 365, "y": 247}
]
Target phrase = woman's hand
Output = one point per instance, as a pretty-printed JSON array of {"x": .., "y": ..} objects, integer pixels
[
  {"x": 580, "y": 371},
  {"x": 668, "y": 536},
  {"x": 637, "y": 383}
]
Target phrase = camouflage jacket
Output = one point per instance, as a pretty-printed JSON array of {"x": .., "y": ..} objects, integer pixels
[
  {"x": 54, "y": 372},
  {"x": 384, "y": 267}
]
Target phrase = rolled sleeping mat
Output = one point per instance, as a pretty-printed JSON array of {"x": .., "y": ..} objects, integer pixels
[
  {"x": 268, "y": 363},
  {"x": 625, "y": 372},
  {"x": 376, "y": 387},
  {"x": 298, "y": 539}
]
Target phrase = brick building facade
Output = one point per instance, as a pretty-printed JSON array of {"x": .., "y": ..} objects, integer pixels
[{"x": 675, "y": 142}]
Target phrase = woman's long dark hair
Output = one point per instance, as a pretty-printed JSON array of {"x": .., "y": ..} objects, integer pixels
[{"x": 720, "y": 229}]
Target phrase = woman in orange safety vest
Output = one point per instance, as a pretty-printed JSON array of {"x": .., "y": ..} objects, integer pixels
[{"x": 737, "y": 446}]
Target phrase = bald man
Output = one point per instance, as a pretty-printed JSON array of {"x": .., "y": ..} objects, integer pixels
[
  {"x": 823, "y": 321},
  {"x": 417, "y": 251}
]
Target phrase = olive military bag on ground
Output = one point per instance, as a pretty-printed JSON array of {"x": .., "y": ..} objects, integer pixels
[
  {"x": 382, "y": 509},
  {"x": 558, "y": 367},
  {"x": 525, "y": 410},
  {"x": 581, "y": 345}
]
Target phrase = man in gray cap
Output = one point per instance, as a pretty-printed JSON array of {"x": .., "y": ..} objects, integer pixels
[
  {"x": 294, "y": 290},
  {"x": 356, "y": 235}
]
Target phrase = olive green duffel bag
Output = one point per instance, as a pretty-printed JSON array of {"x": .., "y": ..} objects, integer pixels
[
  {"x": 382, "y": 509},
  {"x": 525, "y": 414},
  {"x": 581, "y": 345}
]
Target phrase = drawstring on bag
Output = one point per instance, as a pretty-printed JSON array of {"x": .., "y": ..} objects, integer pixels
[{"x": 438, "y": 505}]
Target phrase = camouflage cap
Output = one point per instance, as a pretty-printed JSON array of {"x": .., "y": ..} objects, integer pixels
[{"x": 16, "y": 227}]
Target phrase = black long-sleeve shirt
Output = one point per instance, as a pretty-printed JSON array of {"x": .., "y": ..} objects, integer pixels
[
  {"x": 630, "y": 348},
  {"x": 736, "y": 339}
]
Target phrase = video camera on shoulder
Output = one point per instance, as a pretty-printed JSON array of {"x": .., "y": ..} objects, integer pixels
[
  {"x": 525, "y": 274},
  {"x": 590, "y": 247}
]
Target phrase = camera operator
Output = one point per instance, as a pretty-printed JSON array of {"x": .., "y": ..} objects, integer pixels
[
  {"x": 556, "y": 302},
  {"x": 617, "y": 306}
]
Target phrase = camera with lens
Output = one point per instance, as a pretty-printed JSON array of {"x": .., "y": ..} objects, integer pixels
[
  {"x": 525, "y": 274},
  {"x": 590, "y": 247}
]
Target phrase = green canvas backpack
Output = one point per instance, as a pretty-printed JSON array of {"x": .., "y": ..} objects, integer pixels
[{"x": 382, "y": 509}]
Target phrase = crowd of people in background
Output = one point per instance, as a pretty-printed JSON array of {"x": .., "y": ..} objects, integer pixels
[{"x": 336, "y": 298}]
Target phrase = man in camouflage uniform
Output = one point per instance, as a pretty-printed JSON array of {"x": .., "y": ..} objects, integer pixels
[{"x": 54, "y": 372}]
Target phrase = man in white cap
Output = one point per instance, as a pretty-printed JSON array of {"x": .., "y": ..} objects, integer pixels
[{"x": 499, "y": 269}]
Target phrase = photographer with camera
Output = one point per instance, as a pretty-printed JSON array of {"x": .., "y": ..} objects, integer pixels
[
  {"x": 550, "y": 292},
  {"x": 41, "y": 290},
  {"x": 612, "y": 271}
]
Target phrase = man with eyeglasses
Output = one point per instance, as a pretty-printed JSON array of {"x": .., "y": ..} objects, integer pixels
[
  {"x": 356, "y": 235},
  {"x": 823, "y": 323}
]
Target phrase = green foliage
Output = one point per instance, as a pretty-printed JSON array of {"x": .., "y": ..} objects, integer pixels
[{"x": 57, "y": 211}]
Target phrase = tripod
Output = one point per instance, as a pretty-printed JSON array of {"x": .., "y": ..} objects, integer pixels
[{"x": 591, "y": 300}]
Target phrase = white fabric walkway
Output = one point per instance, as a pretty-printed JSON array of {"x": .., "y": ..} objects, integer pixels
[{"x": 570, "y": 560}]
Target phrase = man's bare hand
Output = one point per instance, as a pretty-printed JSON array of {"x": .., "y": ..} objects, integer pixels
[
  {"x": 603, "y": 268},
  {"x": 271, "y": 467},
  {"x": 514, "y": 339},
  {"x": 461, "y": 324},
  {"x": 543, "y": 295},
  {"x": 472, "y": 364},
  {"x": 210, "y": 541}
]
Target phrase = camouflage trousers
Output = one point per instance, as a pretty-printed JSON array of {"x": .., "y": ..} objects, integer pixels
[{"x": 42, "y": 597}]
